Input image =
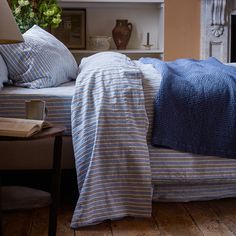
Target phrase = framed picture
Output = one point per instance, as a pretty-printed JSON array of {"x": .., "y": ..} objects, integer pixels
[{"x": 72, "y": 29}]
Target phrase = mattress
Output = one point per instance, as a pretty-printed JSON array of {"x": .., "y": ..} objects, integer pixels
[{"x": 58, "y": 102}]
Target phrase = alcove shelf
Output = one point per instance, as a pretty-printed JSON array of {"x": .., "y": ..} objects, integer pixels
[{"x": 145, "y": 16}]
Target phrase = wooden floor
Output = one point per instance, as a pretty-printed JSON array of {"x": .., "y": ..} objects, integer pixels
[{"x": 196, "y": 218}]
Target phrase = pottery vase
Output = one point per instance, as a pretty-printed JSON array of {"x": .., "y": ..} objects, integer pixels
[{"x": 121, "y": 34}]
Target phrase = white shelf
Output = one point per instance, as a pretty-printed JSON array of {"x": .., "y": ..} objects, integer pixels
[
  {"x": 129, "y": 51},
  {"x": 146, "y": 16},
  {"x": 111, "y": 1}
]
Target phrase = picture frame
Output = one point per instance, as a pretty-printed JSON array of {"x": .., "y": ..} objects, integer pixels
[{"x": 72, "y": 29}]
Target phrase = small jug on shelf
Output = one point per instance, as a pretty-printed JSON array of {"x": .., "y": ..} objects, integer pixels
[{"x": 121, "y": 34}]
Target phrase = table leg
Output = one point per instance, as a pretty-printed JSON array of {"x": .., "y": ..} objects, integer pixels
[
  {"x": 56, "y": 181},
  {"x": 1, "y": 217}
]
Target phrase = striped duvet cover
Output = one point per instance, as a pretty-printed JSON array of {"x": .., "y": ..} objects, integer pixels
[
  {"x": 109, "y": 127},
  {"x": 113, "y": 154}
]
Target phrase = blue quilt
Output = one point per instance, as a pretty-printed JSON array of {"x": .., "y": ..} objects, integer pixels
[{"x": 195, "y": 109}]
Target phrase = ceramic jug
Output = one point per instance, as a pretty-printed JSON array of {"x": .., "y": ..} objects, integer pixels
[
  {"x": 121, "y": 33},
  {"x": 100, "y": 43}
]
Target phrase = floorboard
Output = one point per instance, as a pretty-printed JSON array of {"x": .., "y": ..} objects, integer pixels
[
  {"x": 226, "y": 212},
  {"x": 17, "y": 223},
  {"x": 173, "y": 219},
  {"x": 102, "y": 229},
  {"x": 207, "y": 220},
  {"x": 40, "y": 222},
  {"x": 135, "y": 227},
  {"x": 211, "y": 218},
  {"x": 63, "y": 223}
]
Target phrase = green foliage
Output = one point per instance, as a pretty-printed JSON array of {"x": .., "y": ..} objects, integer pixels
[{"x": 44, "y": 13}]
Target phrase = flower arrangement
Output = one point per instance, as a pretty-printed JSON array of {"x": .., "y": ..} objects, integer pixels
[{"x": 44, "y": 13}]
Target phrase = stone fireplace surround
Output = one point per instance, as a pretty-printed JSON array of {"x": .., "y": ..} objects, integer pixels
[{"x": 215, "y": 28}]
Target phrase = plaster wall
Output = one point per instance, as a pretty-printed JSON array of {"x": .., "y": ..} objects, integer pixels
[{"x": 182, "y": 29}]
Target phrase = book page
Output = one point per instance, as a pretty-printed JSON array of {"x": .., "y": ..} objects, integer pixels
[{"x": 21, "y": 127}]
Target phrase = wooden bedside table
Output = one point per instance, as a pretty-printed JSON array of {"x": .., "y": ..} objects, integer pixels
[{"x": 8, "y": 193}]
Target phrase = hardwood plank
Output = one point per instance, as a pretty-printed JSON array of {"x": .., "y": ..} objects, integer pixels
[
  {"x": 64, "y": 220},
  {"x": 206, "y": 219},
  {"x": 135, "y": 227},
  {"x": 197, "y": 218},
  {"x": 173, "y": 219},
  {"x": 40, "y": 222},
  {"x": 226, "y": 211},
  {"x": 17, "y": 223},
  {"x": 103, "y": 229}
]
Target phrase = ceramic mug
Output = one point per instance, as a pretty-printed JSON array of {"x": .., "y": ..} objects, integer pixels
[{"x": 35, "y": 109}]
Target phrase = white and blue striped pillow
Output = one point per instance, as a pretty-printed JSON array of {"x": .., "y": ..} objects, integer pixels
[
  {"x": 3, "y": 72},
  {"x": 41, "y": 61}
]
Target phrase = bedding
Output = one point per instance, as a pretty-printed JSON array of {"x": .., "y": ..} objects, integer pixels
[
  {"x": 58, "y": 102},
  {"x": 3, "y": 72},
  {"x": 175, "y": 167},
  {"x": 195, "y": 107},
  {"x": 40, "y": 61},
  {"x": 176, "y": 176},
  {"x": 193, "y": 192},
  {"x": 109, "y": 125}
]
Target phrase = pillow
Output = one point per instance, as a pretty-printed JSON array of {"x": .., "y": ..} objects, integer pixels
[
  {"x": 102, "y": 59},
  {"x": 3, "y": 72},
  {"x": 39, "y": 62}
]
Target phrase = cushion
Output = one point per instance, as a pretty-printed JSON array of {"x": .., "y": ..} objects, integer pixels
[
  {"x": 41, "y": 61},
  {"x": 3, "y": 72},
  {"x": 104, "y": 58}
]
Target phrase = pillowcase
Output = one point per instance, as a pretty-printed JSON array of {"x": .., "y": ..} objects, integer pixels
[
  {"x": 39, "y": 62},
  {"x": 102, "y": 59},
  {"x": 3, "y": 72}
]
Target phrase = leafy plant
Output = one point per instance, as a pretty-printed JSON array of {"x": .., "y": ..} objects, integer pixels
[{"x": 44, "y": 13}]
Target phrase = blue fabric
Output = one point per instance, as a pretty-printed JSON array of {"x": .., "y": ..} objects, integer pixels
[{"x": 195, "y": 108}]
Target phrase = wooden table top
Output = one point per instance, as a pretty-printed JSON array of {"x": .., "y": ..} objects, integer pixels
[{"x": 45, "y": 133}]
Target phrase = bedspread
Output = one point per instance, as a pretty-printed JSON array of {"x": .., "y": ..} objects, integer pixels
[{"x": 109, "y": 127}]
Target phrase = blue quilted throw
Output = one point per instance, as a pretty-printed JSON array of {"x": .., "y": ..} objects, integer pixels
[{"x": 195, "y": 109}]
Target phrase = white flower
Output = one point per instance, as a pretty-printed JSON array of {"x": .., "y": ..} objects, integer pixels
[
  {"x": 17, "y": 10},
  {"x": 23, "y": 3},
  {"x": 56, "y": 20},
  {"x": 31, "y": 15},
  {"x": 49, "y": 13}
]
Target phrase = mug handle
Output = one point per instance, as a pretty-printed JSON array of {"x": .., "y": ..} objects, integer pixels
[
  {"x": 130, "y": 26},
  {"x": 45, "y": 113}
]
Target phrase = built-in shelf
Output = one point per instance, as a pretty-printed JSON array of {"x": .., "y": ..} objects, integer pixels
[
  {"x": 146, "y": 16},
  {"x": 130, "y": 51},
  {"x": 112, "y": 1}
]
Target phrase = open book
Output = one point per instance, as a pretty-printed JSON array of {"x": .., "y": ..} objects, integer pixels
[{"x": 21, "y": 127}]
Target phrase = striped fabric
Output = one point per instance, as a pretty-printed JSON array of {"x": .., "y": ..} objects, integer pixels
[
  {"x": 193, "y": 192},
  {"x": 3, "y": 72},
  {"x": 58, "y": 102},
  {"x": 40, "y": 61},
  {"x": 109, "y": 126},
  {"x": 177, "y": 176},
  {"x": 170, "y": 166}
]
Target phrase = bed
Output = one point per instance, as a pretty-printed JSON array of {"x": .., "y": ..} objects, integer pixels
[{"x": 175, "y": 175}]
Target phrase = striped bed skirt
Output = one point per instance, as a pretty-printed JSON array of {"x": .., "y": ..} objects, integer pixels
[{"x": 192, "y": 192}]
